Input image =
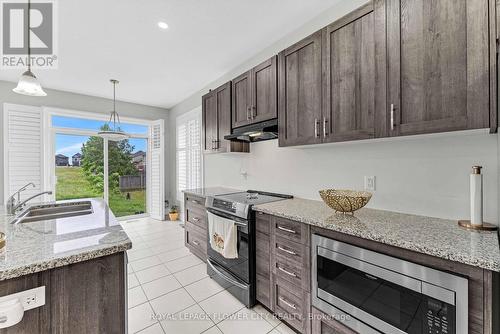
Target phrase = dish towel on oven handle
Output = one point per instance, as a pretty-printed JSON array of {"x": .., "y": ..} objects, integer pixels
[{"x": 223, "y": 235}]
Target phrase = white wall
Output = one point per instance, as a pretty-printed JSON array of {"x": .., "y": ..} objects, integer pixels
[
  {"x": 61, "y": 99},
  {"x": 426, "y": 175},
  {"x": 423, "y": 175},
  {"x": 194, "y": 101}
]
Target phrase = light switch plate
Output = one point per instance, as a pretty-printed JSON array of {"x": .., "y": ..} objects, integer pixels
[
  {"x": 370, "y": 183},
  {"x": 30, "y": 299}
]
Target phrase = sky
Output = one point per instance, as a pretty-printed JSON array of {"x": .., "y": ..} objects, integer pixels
[{"x": 72, "y": 144}]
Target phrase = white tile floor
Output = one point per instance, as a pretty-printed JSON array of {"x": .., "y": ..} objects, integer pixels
[{"x": 171, "y": 293}]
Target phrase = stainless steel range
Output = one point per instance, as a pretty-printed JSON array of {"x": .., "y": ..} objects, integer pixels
[{"x": 238, "y": 274}]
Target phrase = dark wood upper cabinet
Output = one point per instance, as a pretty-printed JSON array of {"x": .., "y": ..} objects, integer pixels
[
  {"x": 351, "y": 97},
  {"x": 255, "y": 94},
  {"x": 216, "y": 111},
  {"x": 209, "y": 116},
  {"x": 242, "y": 99},
  {"x": 265, "y": 88},
  {"x": 441, "y": 63},
  {"x": 299, "y": 92}
]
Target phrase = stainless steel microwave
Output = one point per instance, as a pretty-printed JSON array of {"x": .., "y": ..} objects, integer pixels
[{"x": 374, "y": 293}]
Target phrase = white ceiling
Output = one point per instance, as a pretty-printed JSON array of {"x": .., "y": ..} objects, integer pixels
[{"x": 99, "y": 40}]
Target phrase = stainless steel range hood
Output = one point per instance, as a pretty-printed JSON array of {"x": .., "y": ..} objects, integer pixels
[{"x": 255, "y": 132}]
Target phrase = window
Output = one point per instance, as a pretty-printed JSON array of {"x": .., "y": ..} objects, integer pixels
[
  {"x": 128, "y": 174},
  {"x": 188, "y": 148}
]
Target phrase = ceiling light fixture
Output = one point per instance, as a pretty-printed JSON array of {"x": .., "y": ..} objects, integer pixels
[
  {"x": 28, "y": 83},
  {"x": 163, "y": 25},
  {"x": 113, "y": 131}
]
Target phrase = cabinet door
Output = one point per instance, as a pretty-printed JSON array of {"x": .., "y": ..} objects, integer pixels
[
  {"x": 209, "y": 113},
  {"x": 350, "y": 77},
  {"x": 299, "y": 92},
  {"x": 223, "y": 96},
  {"x": 264, "y": 91},
  {"x": 242, "y": 99},
  {"x": 439, "y": 65}
]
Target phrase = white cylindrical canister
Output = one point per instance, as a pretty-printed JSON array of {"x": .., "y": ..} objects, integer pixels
[{"x": 476, "y": 196}]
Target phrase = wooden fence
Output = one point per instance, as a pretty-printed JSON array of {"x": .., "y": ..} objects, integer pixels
[{"x": 131, "y": 182}]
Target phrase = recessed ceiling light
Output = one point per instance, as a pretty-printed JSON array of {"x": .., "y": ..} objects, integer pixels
[{"x": 162, "y": 25}]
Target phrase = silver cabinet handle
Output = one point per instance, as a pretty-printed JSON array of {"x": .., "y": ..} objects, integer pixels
[
  {"x": 196, "y": 220},
  {"x": 216, "y": 144},
  {"x": 286, "y": 250},
  {"x": 289, "y": 273},
  {"x": 324, "y": 127},
  {"x": 196, "y": 243},
  {"x": 248, "y": 114},
  {"x": 284, "y": 301},
  {"x": 195, "y": 202},
  {"x": 392, "y": 116},
  {"x": 287, "y": 229},
  {"x": 254, "y": 112},
  {"x": 316, "y": 132}
]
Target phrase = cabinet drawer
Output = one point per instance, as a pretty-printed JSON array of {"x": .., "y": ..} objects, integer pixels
[
  {"x": 291, "y": 230},
  {"x": 197, "y": 217},
  {"x": 291, "y": 250},
  {"x": 292, "y": 272},
  {"x": 324, "y": 324},
  {"x": 263, "y": 222},
  {"x": 292, "y": 307},
  {"x": 196, "y": 228},
  {"x": 196, "y": 242},
  {"x": 263, "y": 290},
  {"x": 194, "y": 202},
  {"x": 262, "y": 255}
]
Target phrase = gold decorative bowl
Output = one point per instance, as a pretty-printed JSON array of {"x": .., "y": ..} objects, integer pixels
[{"x": 345, "y": 201}]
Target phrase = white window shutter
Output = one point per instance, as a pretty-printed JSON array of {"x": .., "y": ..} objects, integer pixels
[
  {"x": 188, "y": 148},
  {"x": 23, "y": 149},
  {"x": 157, "y": 186}
]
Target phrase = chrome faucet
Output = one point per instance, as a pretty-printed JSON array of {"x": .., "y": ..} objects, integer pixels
[
  {"x": 11, "y": 202},
  {"x": 13, "y": 205}
]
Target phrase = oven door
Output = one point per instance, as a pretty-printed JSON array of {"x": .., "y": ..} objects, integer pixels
[{"x": 239, "y": 266}]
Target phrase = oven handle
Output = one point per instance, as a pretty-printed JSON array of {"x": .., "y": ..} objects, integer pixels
[
  {"x": 237, "y": 221},
  {"x": 224, "y": 276},
  {"x": 391, "y": 276}
]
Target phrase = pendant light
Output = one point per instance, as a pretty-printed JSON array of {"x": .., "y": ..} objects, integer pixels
[
  {"x": 28, "y": 83},
  {"x": 113, "y": 131}
]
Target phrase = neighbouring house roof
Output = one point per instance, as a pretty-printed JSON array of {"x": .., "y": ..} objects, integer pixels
[
  {"x": 62, "y": 156},
  {"x": 138, "y": 153},
  {"x": 77, "y": 155}
]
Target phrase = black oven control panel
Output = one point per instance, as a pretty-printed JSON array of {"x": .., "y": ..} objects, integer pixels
[
  {"x": 438, "y": 320},
  {"x": 224, "y": 205}
]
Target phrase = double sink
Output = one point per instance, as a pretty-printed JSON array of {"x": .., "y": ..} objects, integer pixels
[{"x": 53, "y": 211}]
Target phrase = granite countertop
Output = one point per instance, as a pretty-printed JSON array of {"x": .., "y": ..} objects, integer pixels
[
  {"x": 37, "y": 246},
  {"x": 210, "y": 191},
  {"x": 433, "y": 236}
]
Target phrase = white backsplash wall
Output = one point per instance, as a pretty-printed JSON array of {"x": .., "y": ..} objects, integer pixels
[{"x": 427, "y": 175}]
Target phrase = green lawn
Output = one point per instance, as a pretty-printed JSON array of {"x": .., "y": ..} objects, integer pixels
[{"x": 71, "y": 184}]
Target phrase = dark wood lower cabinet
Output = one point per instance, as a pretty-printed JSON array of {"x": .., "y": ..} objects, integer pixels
[
  {"x": 283, "y": 245},
  {"x": 80, "y": 298},
  {"x": 196, "y": 225},
  {"x": 324, "y": 324}
]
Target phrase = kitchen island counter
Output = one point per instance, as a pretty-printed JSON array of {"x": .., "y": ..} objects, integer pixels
[{"x": 33, "y": 247}]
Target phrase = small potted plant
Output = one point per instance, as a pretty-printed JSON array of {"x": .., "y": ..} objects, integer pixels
[{"x": 173, "y": 213}]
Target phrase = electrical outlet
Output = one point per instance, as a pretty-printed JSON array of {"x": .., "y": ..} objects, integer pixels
[
  {"x": 30, "y": 299},
  {"x": 370, "y": 183}
]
